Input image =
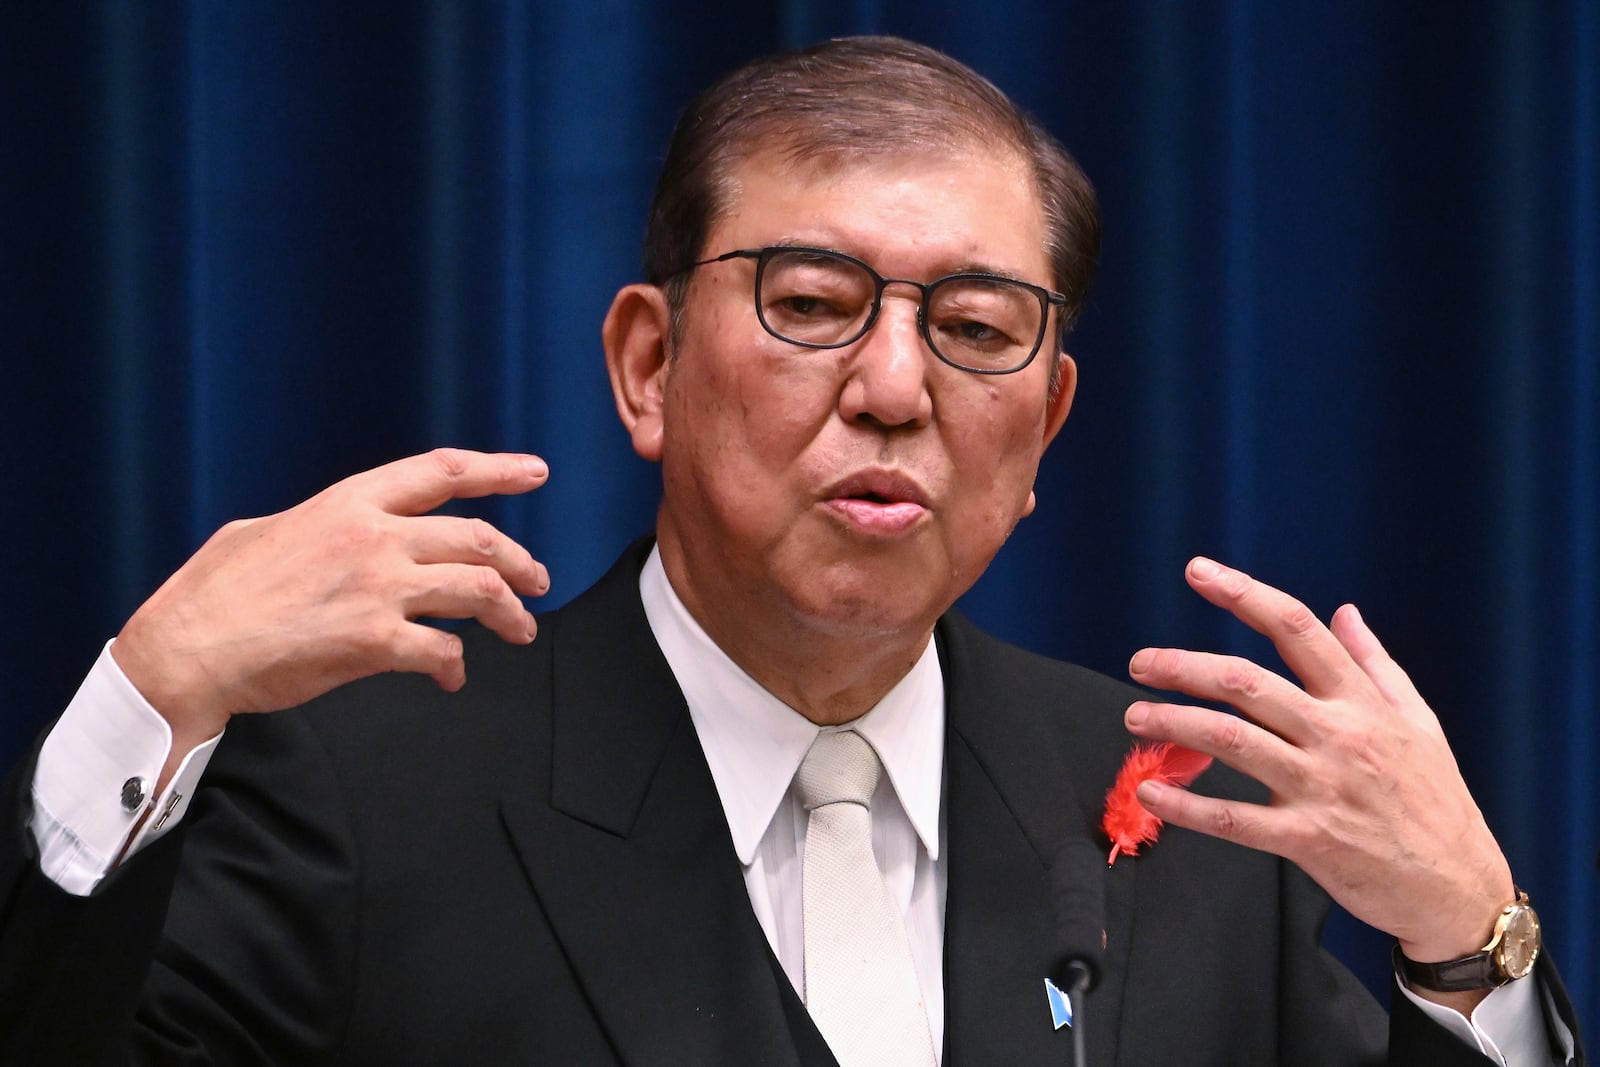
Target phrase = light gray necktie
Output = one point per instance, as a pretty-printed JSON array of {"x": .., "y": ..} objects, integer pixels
[{"x": 861, "y": 982}]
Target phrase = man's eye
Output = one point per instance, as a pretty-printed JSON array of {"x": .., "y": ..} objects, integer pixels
[
  {"x": 807, "y": 306},
  {"x": 972, "y": 333},
  {"x": 801, "y": 305}
]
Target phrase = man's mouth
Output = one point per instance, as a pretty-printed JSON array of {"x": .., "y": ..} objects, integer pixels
[{"x": 878, "y": 503}]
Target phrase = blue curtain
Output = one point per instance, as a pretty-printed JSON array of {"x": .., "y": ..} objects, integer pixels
[{"x": 1345, "y": 336}]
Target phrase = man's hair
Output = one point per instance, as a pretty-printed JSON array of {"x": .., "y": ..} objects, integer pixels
[{"x": 848, "y": 100}]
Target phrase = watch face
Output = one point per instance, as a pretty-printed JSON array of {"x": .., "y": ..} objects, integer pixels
[{"x": 1519, "y": 944}]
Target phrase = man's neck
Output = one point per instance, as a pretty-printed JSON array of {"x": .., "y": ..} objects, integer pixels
[
  {"x": 828, "y": 677},
  {"x": 828, "y": 680}
]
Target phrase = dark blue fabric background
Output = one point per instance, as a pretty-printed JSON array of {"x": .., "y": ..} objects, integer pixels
[{"x": 1345, "y": 336}]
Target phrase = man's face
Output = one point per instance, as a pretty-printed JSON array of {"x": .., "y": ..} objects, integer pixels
[{"x": 854, "y": 492}]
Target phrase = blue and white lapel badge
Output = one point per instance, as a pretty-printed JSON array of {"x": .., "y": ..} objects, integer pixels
[{"x": 1060, "y": 1006}]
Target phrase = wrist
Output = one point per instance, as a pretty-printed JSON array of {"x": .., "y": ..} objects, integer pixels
[
  {"x": 182, "y": 697},
  {"x": 1467, "y": 926},
  {"x": 1509, "y": 952}
]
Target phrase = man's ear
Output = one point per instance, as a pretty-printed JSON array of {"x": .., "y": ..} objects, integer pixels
[
  {"x": 1060, "y": 398},
  {"x": 635, "y": 337},
  {"x": 1056, "y": 408}
]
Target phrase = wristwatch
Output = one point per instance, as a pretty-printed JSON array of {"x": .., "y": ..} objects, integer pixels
[{"x": 1509, "y": 955}]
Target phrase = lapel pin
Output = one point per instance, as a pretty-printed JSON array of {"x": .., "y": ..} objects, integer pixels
[{"x": 1060, "y": 1006}]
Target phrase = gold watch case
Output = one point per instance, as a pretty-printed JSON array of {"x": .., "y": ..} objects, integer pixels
[{"x": 1516, "y": 941}]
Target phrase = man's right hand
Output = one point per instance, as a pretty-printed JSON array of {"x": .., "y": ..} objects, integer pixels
[{"x": 274, "y": 611}]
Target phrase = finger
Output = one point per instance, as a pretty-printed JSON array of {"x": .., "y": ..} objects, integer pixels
[
  {"x": 1252, "y": 825},
  {"x": 1242, "y": 745},
  {"x": 1266, "y": 698},
  {"x": 447, "y": 539},
  {"x": 464, "y": 591},
  {"x": 420, "y": 649},
  {"x": 417, "y": 484},
  {"x": 1351, "y": 631},
  {"x": 1309, "y": 649}
]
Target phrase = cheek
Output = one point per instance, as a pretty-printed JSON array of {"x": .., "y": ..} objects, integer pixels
[
  {"x": 1001, "y": 436},
  {"x": 996, "y": 457},
  {"x": 1025, "y": 425},
  {"x": 741, "y": 412}
]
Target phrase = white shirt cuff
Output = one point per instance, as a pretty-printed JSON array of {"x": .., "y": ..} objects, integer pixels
[
  {"x": 107, "y": 748},
  {"x": 1507, "y": 1025}
]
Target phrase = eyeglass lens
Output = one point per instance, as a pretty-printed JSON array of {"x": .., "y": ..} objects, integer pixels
[{"x": 818, "y": 299}]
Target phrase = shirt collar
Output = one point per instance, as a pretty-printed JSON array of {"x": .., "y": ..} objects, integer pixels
[{"x": 754, "y": 742}]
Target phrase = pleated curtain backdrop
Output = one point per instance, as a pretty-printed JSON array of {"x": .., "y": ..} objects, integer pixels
[{"x": 1345, "y": 335}]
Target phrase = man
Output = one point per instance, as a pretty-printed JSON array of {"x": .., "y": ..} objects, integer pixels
[{"x": 596, "y": 846}]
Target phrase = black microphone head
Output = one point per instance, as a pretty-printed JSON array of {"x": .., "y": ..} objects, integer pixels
[{"x": 1077, "y": 891}]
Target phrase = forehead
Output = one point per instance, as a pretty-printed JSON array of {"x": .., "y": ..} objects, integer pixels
[{"x": 908, "y": 214}]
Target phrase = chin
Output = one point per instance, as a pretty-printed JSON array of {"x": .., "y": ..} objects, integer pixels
[
  {"x": 860, "y": 610},
  {"x": 868, "y": 625}
]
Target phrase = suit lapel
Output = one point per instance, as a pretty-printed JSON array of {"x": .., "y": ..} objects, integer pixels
[
  {"x": 1014, "y": 795},
  {"x": 629, "y": 853}
]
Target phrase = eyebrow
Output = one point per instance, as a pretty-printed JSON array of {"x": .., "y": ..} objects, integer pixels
[
  {"x": 965, "y": 267},
  {"x": 998, "y": 272}
]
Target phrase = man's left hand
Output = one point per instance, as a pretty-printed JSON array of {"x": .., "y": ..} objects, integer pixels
[{"x": 1366, "y": 795}]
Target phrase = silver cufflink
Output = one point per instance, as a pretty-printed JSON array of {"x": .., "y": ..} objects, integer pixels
[
  {"x": 166, "y": 811},
  {"x": 134, "y": 792}
]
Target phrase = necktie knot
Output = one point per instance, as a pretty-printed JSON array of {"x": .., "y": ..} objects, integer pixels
[{"x": 840, "y": 767}]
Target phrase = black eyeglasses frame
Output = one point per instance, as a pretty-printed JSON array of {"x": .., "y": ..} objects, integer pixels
[{"x": 1047, "y": 298}]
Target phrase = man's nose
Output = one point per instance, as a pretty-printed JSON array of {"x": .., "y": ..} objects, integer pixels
[{"x": 888, "y": 381}]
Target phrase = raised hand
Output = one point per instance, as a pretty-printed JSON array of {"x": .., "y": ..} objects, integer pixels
[
  {"x": 1366, "y": 795},
  {"x": 273, "y": 611}
]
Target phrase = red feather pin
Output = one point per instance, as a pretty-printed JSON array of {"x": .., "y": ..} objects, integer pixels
[{"x": 1127, "y": 822}]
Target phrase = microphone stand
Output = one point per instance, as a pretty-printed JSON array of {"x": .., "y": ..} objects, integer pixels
[
  {"x": 1077, "y": 992},
  {"x": 1077, "y": 887}
]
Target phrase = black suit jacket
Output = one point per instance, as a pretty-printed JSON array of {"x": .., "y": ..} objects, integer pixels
[{"x": 537, "y": 870}]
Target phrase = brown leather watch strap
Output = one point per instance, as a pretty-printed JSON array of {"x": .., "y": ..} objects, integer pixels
[{"x": 1477, "y": 971}]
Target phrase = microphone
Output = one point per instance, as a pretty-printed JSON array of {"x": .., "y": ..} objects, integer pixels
[{"x": 1078, "y": 897}]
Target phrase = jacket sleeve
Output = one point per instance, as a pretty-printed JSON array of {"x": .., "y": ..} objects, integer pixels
[
  {"x": 1415, "y": 1038},
  {"x": 71, "y": 968},
  {"x": 240, "y": 954}
]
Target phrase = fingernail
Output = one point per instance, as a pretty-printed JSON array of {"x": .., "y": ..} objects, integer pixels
[
  {"x": 1137, "y": 714},
  {"x": 1203, "y": 568},
  {"x": 1149, "y": 791},
  {"x": 1141, "y": 661},
  {"x": 535, "y": 466}
]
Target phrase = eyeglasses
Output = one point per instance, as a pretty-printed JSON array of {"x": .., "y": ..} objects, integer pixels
[{"x": 818, "y": 298}]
